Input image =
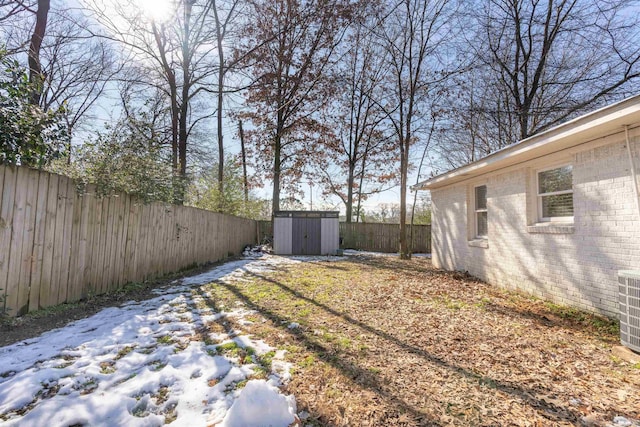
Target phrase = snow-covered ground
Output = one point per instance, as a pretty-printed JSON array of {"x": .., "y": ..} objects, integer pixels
[
  {"x": 352, "y": 252},
  {"x": 147, "y": 363}
]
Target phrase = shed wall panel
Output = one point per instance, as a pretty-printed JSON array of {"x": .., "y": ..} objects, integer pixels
[
  {"x": 282, "y": 236},
  {"x": 330, "y": 236}
]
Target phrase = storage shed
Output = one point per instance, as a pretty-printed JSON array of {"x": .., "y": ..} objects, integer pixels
[{"x": 306, "y": 232}]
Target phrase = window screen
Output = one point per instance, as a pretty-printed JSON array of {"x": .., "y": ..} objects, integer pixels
[
  {"x": 481, "y": 211},
  {"x": 555, "y": 192}
]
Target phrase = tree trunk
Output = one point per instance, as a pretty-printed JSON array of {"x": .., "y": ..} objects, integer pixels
[
  {"x": 524, "y": 124},
  {"x": 220, "y": 145},
  {"x": 184, "y": 103},
  {"x": 220, "y": 95},
  {"x": 35, "y": 67},
  {"x": 360, "y": 185},
  {"x": 404, "y": 250},
  {"x": 276, "y": 173},
  {"x": 182, "y": 150},
  {"x": 415, "y": 194},
  {"x": 245, "y": 181},
  {"x": 350, "y": 180},
  {"x": 175, "y": 112}
]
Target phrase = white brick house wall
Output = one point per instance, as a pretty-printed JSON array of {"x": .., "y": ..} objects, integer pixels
[{"x": 575, "y": 265}]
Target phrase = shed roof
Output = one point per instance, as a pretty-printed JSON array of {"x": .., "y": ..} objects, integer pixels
[
  {"x": 597, "y": 124},
  {"x": 306, "y": 214}
]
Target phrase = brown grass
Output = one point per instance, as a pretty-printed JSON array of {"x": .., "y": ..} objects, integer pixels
[{"x": 385, "y": 342}]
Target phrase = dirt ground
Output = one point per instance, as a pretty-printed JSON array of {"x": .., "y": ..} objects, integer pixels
[{"x": 381, "y": 342}]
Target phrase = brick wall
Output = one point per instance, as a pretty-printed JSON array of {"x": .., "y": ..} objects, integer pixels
[{"x": 575, "y": 265}]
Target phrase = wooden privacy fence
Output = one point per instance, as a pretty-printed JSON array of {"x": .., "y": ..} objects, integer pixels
[
  {"x": 265, "y": 231},
  {"x": 380, "y": 237},
  {"x": 60, "y": 245},
  {"x": 376, "y": 237}
]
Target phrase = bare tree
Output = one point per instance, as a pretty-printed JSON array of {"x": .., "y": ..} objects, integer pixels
[
  {"x": 413, "y": 35},
  {"x": 77, "y": 67},
  {"x": 545, "y": 61},
  {"x": 243, "y": 153},
  {"x": 176, "y": 57},
  {"x": 231, "y": 63},
  {"x": 470, "y": 131},
  {"x": 36, "y": 78},
  {"x": 68, "y": 68},
  {"x": 224, "y": 14},
  {"x": 362, "y": 153},
  {"x": 10, "y": 8},
  {"x": 146, "y": 113}
]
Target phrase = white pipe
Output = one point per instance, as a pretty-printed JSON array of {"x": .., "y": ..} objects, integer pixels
[
  {"x": 633, "y": 168},
  {"x": 635, "y": 187}
]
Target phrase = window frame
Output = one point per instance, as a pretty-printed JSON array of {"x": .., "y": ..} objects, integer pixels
[
  {"x": 476, "y": 211},
  {"x": 539, "y": 196}
]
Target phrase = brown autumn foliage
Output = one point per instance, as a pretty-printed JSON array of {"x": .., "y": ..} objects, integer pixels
[
  {"x": 296, "y": 42},
  {"x": 385, "y": 342}
]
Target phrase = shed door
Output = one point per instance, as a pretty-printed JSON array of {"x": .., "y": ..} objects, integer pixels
[{"x": 306, "y": 236}]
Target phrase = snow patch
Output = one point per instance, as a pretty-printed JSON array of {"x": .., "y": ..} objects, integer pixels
[
  {"x": 144, "y": 364},
  {"x": 260, "y": 404}
]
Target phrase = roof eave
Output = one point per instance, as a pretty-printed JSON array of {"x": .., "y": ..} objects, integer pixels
[{"x": 597, "y": 124}]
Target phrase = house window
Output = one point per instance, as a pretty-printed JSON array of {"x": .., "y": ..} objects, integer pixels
[
  {"x": 480, "y": 211},
  {"x": 555, "y": 194}
]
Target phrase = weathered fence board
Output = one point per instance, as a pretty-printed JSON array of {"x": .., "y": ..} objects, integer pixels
[
  {"x": 38, "y": 242},
  {"x": 383, "y": 237},
  {"x": 26, "y": 257},
  {"x": 17, "y": 230},
  {"x": 6, "y": 221},
  {"x": 58, "y": 245},
  {"x": 58, "y": 241},
  {"x": 6, "y": 218},
  {"x": 83, "y": 251},
  {"x": 69, "y": 200},
  {"x": 376, "y": 237},
  {"x": 48, "y": 243}
]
